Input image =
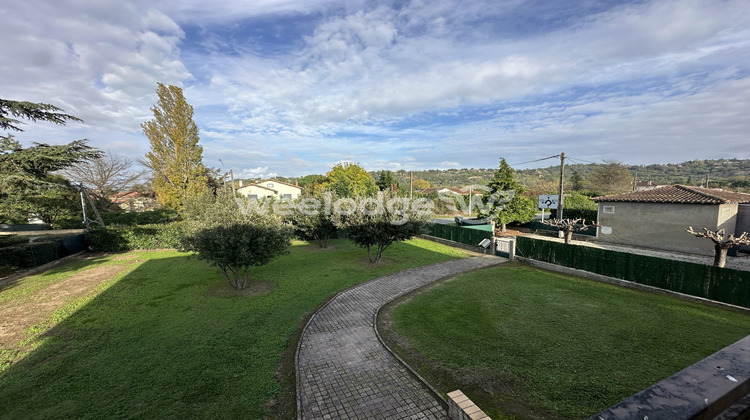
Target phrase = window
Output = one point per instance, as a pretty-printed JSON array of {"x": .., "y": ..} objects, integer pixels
[
  {"x": 608, "y": 209},
  {"x": 287, "y": 196},
  {"x": 269, "y": 185},
  {"x": 253, "y": 196}
]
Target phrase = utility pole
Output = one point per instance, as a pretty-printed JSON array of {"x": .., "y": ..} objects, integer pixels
[
  {"x": 562, "y": 177},
  {"x": 411, "y": 184},
  {"x": 231, "y": 175}
]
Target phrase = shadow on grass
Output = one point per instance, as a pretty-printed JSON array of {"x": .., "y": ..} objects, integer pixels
[
  {"x": 75, "y": 263},
  {"x": 156, "y": 344}
]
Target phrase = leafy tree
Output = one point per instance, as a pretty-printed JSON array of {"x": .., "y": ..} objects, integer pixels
[
  {"x": 350, "y": 180},
  {"x": 578, "y": 205},
  {"x": 742, "y": 184},
  {"x": 105, "y": 175},
  {"x": 576, "y": 182},
  {"x": 28, "y": 186},
  {"x": 310, "y": 183},
  {"x": 30, "y": 111},
  {"x": 386, "y": 181},
  {"x": 310, "y": 221},
  {"x": 311, "y": 179},
  {"x": 612, "y": 177},
  {"x": 507, "y": 204},
  {"x": 375, "y": 226},
  {"x": 420, "y": 184},
  {"x": 55, "y": 200},
  {"x": 176, "y": 158},
  {"x": 219, "y": 232},
  {"x": 237, "y": 247}
]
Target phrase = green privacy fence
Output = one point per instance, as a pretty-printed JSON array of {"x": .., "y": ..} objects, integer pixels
[
  {"x": 41, "y": 251},
  {"x": 459, "y": 234},
  {"x": 719, "y": 284}
]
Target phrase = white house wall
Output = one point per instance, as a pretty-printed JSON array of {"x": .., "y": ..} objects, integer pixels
[{"x": 283, "y": 189}]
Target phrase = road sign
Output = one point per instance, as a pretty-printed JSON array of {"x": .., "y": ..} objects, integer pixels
[{"x": 548, "y": 201}]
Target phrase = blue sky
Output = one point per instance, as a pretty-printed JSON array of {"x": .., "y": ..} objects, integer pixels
[{"x": 290, "y": 87}]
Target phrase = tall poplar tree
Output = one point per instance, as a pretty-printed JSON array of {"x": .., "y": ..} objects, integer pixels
[{"x": 176, "y": 158}]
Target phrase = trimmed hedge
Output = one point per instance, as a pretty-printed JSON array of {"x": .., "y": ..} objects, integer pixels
[
  {"x": 139, "y": 218},
  {"x": 119, "y": 218},
  {"x": 127, "y": 238}
]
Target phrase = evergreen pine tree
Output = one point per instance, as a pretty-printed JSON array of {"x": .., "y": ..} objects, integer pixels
[{"x": 508, "y": 204}]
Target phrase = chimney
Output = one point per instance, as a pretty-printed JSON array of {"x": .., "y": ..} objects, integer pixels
[
  {"x": 240, "y": 183},
  {"x": 296, "y": 183}
]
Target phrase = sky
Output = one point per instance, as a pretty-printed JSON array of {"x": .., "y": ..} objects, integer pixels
[{"x": 292, "y": 87}]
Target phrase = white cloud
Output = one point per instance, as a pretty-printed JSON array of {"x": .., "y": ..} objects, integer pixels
[
  {"x": 259, "y": 172},
  {"x": 381, "y": 84},
  {"x": 100, "y": 63}
]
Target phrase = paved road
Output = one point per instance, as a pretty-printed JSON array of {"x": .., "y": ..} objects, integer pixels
[{"x": 344, "y": 372}]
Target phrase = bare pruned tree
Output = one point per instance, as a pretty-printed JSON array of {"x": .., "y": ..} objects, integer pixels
[
  {"x": 722, "y": 243},
  {"x": 568, "y": 226},
  {"x": 106, "y": 175}
]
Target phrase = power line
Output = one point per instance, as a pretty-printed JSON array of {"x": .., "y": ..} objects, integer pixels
[
  {"x": 537, "y": 160},
  {"x": 580, "y": 160}
]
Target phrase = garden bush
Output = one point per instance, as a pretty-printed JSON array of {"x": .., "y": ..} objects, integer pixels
[{"x": 150, "y": 217}]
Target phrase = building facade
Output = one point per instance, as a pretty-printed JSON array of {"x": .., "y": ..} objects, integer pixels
[{"x": 658, "y": 218}]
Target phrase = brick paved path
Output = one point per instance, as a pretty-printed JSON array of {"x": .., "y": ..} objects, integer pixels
[{"x": 344, "y": 372}]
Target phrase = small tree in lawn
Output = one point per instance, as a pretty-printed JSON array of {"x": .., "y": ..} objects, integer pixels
[
  {"x": 237, "y": 247},
  {"x": 219, "y": 232},
  {"x": 310, "y": 221},
  {"x": 507, "y": 204},
  {"x": 568, "y": 226},
  {"x": 375, "y": 224},
  {"x": 722, "y": 243}
]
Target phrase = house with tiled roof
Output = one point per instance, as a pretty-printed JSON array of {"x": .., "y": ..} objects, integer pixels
[
  {"x": 271, "y": 188},
  {"x": 134, "y": 201},
  {"x": 657, "y": 218},
  {"x": 647, "y": 185},
  {"x": 447, "y": 190}
]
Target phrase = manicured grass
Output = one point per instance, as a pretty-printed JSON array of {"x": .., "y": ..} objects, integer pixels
[
  {"x": 527, "y": 343},
  {"x": 164, "y": 340}
]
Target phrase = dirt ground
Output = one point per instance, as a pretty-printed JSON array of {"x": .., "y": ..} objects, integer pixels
[{"x": 17, "y": 315}]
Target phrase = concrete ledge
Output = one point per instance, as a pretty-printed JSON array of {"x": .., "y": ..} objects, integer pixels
[{"x": 460, "y": 407}]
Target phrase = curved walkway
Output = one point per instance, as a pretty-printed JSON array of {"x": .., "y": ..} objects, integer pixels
[{"x": 344, "y": 372}]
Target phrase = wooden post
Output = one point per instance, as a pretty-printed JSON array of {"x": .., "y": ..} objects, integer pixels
[{"x": 562, "y": 177}]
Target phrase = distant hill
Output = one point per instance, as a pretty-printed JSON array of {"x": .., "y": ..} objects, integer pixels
[
  {"x": 721, "y": 173},
  {"x": 725, "y": 173}
]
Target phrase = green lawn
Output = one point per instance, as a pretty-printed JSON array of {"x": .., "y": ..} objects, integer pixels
[
  {"x": 164, "y": 339},
  {"x": 527, "y": 343}
]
